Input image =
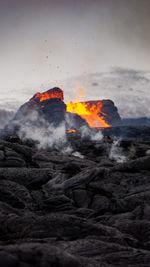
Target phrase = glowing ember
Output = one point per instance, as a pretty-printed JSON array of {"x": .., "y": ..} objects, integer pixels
[
  {"x": 71, "y": 130},
  {"x": 90, "y": 111},
  {"x": 52, "y": 93},
  {"x": 79, "y": 92}
]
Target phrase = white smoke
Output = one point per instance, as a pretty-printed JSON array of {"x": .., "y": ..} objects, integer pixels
[
  {"x": 91, "y": 134},
  {"x": 97, "y": 136},
  {"x": 68, "y": 150},
  {"x": 148, "y": 152},
  {"x": 45, "y": 134},
  {"x": 48, "y": 136},
  {"x": 77, "y": 154},
  {"x": 116, "y": 152},
  {"x": 5, "y": 117}
]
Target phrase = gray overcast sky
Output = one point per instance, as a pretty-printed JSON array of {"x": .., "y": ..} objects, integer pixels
[{"x": 45, "y": 43}]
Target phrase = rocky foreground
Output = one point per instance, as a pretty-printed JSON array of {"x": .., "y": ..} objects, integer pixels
[{"x": 83, "y": 208}]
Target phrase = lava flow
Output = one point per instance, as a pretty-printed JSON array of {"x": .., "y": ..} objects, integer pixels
[
  {"x": 71, "y": 131},
  {"x": 90, "y": 112}
]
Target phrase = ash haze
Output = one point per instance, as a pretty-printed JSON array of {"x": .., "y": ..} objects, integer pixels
[{"x": 47, "y": 43}]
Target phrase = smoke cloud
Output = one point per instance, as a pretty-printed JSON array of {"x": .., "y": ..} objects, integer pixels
[
  {"x": 116, "y": 152},
  {"x": 5, "y": 117},
  {"x": 46, "y": 136},
  {"x": 91, "y": 135}
]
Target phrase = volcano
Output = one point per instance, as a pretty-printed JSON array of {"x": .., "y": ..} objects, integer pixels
[{"x": 50, "y": 106}]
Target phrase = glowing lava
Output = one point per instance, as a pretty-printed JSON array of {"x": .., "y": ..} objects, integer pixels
[
  {"x": 71, "y": 131},
  {"x": 90, "y": 111},
  {"x": 52, "y": 93}
]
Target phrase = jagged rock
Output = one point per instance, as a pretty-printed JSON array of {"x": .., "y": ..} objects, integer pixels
[
  {"x": 12, "y": 162},
  {"x": 134, "y": 165},
  {"x": 10, "y": 153},
  {"x": 129, "y": 133},
  {"x": 1, "y": 155},
  {"x": 29, "y": 177},
  {"x": 58, "y": 203},
  {"x": 36, "y": 255},
  {"x": 88, "y": 211}
]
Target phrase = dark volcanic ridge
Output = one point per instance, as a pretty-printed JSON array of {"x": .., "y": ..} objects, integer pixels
[{"x": 49, "y": 108}]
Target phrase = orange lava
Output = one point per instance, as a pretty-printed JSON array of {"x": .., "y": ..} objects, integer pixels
[
  {"x": 90, "y": 112},
  {"x": 52, "y": 93},
  {"x": 71, "y": 130}
]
